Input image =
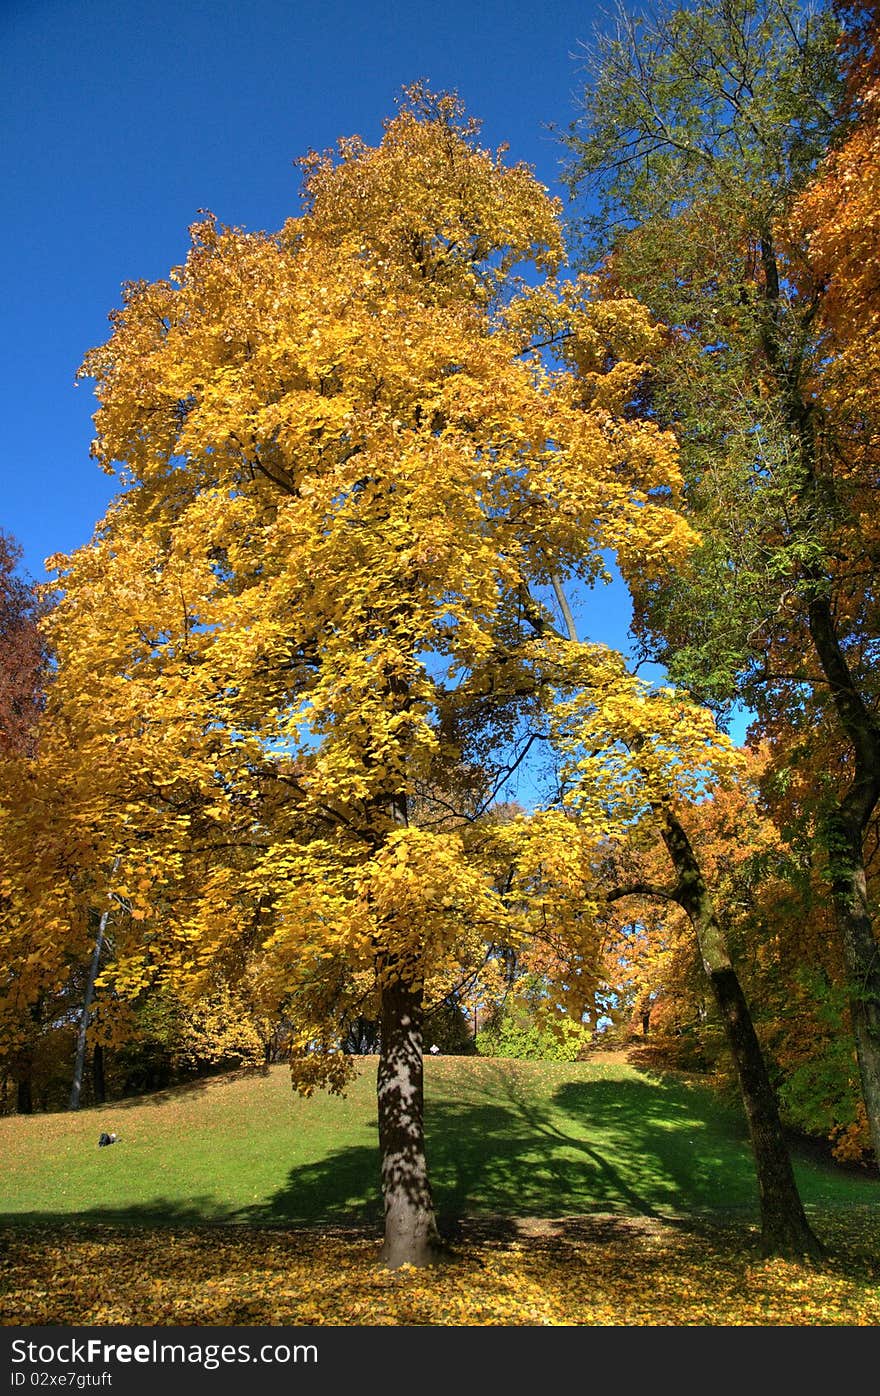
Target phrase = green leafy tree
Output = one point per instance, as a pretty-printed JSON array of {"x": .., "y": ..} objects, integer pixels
[{"x": 700, "y": 129}]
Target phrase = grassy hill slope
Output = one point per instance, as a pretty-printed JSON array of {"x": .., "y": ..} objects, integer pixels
[{"x": 504, "y": 1137}]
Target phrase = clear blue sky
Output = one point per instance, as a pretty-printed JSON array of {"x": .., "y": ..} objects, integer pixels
[{"x": 123, "y": 118}]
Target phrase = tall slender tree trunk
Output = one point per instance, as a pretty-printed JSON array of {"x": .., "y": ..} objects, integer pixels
[
  {"x": 784, "y": 1227},
  {"x": 79, "y": 1063},
  {"x": 411, "y": 1236}
]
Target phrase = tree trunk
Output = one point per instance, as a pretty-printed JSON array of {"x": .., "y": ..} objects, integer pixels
[
  {"x": 861, "y": 956},
  {"x": 79, "y": 1064},
  {"x": 844, "y": 836},
  {"x": 784, "y": 1227},
  {"x": 411, "y": 1236},
  {"x": 24, "y": 1096},
  {"x": 859, "y": 725},
  {"x": 99, "y": 1088}
]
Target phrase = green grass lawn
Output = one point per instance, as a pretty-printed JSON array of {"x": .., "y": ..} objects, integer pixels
[{"x": 504, "y": 1137}]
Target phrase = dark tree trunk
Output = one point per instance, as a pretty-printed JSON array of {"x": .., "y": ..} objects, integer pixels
[
  {"x": 24, "y": 1096},
  {"x": 845, "y": 829},
  {"x": 784, "y": 1227},
  {"x": 862, "y": 959},
  {"x": 98, "y": 1085},
  {"x": 411, "y": 1236},
  {"x": 646, "y": 1023},
  {"x": 844, "y": 836}
]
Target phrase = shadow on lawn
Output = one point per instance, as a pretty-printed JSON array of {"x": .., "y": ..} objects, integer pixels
[
  {"x": 180, "y": 1090},
  {"x": 618, "y": 1145},
  {"x": 170, "y": 1211},
  {"x": 602, "y": 1146}
]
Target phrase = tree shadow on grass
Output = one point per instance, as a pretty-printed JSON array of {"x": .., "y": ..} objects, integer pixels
[
  {"x": 158, "y": 1211},
  {"x": 628, "y": 1146}
]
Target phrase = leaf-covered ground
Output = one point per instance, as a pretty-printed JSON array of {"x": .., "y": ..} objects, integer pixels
[{"x": 602, "y": 1269}]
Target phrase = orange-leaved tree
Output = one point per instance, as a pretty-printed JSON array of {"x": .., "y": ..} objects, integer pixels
[
  {"x": 34, "y": 969},
  {"x": 22, "y": 655}
]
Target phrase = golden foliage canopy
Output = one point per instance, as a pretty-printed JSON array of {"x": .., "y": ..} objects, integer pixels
[{"x": 350, "y": 454}]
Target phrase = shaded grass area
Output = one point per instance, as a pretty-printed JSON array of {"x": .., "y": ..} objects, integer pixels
[{"x": 504, "y": 1137}]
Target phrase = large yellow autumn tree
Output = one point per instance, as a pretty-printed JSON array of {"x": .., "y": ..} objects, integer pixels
[{"x": 348, "y": 474}]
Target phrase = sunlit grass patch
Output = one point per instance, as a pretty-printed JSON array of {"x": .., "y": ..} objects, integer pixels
[{"x": 504, "y": 1137}]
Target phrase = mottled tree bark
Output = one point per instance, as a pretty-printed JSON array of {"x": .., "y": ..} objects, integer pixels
[{"x": 411, "y": 1236}]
